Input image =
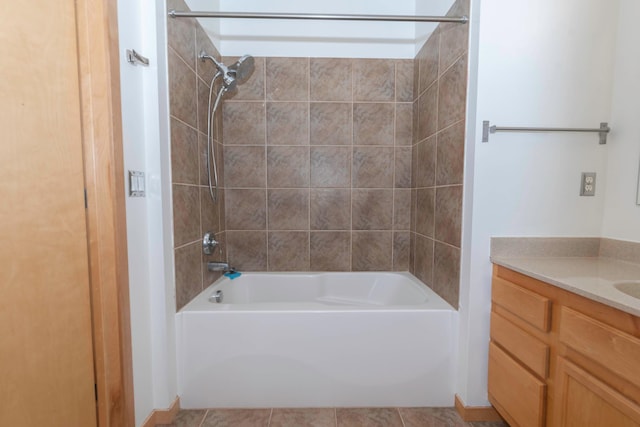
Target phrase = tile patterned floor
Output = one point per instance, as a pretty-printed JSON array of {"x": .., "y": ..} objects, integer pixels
[{"x": 326, "y": 417}]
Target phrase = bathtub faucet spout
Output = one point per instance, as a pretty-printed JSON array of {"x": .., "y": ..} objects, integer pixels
[{"x": 220, "y": 266}]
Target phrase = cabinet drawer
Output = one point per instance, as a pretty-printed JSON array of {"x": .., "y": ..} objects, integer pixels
[
  {"x": 517, "y": 394},
  {"x": 531, "y": 307},
  {"x": 617, "y": 351},
  {"x": 530, "y": 351}
]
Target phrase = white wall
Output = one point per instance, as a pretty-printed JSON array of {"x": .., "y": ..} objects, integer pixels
[
  {"x": 131, "y": 82},
  {"x": 424, "y": 29},
  {"x": 320, "y": 38},
  {"x": 621, "y": 214},
  {"x": 152, "y": 299},
  {"x": 543, "y": 63},
  {"x": 160, "y": 217},
  {"x": 210, "y": 25}
]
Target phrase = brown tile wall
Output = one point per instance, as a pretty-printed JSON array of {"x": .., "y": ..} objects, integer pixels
[
  {"x": 193, "y": 211},
  {"x": 317, "y": 156},
  {"x": 327, "y": 164},
  {"x": 440, "y": 84}
]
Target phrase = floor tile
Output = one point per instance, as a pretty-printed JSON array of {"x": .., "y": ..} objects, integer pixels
[
  {"x": 431, "y": 417},
  {"x": 489, "y": 424},
  {"x": 325, "y": 417},
  {"x": 312, "y": 417},
  {"x": 368, "y": 417},
  {"x": 237, "y": 418},
  {"x": 187, "y": 418}
]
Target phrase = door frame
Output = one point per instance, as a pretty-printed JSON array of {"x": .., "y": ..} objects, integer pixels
[{"x": 98, "y": 52}]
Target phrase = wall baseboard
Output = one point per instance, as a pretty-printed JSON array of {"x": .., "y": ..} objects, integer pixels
[
  {"x": 476, "y": 413},
  {"x": 467, "y": 413},
  {"x": 163, "y": 416}
]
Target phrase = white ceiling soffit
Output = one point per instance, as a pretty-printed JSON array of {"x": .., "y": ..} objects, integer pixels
[{"x": 335, "y": 39}]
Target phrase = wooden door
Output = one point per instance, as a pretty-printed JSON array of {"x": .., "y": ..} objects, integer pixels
[
  {"x": 46, "y": 356},
  {"x": 584, "y": 400}
]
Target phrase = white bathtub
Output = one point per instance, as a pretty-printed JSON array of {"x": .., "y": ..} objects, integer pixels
[{"x": 316, "y": 340}]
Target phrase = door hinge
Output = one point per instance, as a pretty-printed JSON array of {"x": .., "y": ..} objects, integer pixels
[
  {"x": 95, "y": 388},
  {"x": 86, "y": 203}
]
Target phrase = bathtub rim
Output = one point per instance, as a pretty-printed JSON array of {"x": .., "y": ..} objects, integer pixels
[{"x": 200, "y": 302}]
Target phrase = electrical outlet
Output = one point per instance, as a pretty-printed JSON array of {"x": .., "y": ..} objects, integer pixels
[{"x": 588, "y": 184}]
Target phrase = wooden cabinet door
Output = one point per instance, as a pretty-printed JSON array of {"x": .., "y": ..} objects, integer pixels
[
  {"x": 46, "y": 356},
  {"x": 583, "y": 400}
]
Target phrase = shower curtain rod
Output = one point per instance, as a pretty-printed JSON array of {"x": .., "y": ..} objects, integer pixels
[{"x": 248, "y": 15}]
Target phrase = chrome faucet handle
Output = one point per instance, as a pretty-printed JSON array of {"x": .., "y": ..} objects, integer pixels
[{"x": 208, "y": 243}]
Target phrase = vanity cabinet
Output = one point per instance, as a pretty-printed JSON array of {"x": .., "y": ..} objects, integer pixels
[
  {"x": 519, "y": 353},
  {"x": 559, "y": 359}
]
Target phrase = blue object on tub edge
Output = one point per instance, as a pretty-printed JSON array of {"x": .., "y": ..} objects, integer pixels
[{"x": 233, "y": 274}]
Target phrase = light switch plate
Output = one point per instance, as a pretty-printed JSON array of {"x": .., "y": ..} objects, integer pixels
[
  {"x": 136, "y": 184},
  {"x": 638, "y": 188}
]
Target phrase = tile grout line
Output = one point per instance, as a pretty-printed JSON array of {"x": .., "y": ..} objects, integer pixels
[
  {"x": 435, "y": 166},
  {"x": 353, "y": 88},
  {"x": 415, "y": 123},
  {"x": 171, "y": 116},
  {"x": 401, "y": 419},
  {"x": 198, "y": 126},
  {"x": 186, "y": 184},
  {"x": 206, "y": 412},
  {"x": 309, "y": 163},
  {"x": 395, "y": 162},
  {"x": 184, "y": 245},
  {"x": 453, "y": 63},
  {"x": 266, "y": 171},
  {"x": 195, "y": 49},
  {"x": 181, "y": 58}
]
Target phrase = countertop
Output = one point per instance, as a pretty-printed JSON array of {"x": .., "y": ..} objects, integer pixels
[{"x": 591, "y": 277}]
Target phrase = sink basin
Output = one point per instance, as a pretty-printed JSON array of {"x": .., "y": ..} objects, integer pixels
[{"x": 631, "y": 288}]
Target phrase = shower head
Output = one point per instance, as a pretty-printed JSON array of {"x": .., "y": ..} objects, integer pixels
[
  {"x": 243, "y": 68},
  {"x": 235, "y": 74}
]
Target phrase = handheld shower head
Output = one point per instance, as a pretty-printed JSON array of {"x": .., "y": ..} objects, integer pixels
[{"x": 233, "y": 75}]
